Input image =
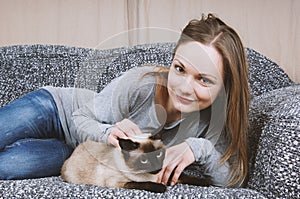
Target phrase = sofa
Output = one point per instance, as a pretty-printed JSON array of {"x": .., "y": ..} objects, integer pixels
[{"x": 274, "y": 129}]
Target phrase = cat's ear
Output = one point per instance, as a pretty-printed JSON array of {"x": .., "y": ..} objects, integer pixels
[
  {"x": 156, "y": 136},
  {"x": 128, "y": 145}
]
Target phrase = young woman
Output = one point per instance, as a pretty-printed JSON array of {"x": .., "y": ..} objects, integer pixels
[{"x": 199, "y": 106}]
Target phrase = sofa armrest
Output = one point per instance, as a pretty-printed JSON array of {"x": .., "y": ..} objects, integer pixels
[
  {"x": 275, "y": 133},
  {"x": 264, "y": 74},
  {"x": 24, "y": 68}
]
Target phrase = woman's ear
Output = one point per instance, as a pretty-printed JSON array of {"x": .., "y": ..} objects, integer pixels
[{"x": 127, "y": 144}]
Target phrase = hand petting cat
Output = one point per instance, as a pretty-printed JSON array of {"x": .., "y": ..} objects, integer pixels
[
  {"x": 122, "y": 129},
  {"x": 177, "y": 158}
]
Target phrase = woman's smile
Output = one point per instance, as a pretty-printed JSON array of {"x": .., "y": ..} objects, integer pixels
[{"x": 184, "y": 100}]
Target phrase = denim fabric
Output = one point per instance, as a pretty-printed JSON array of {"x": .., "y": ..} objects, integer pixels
[{"x": 32, "y": 140}]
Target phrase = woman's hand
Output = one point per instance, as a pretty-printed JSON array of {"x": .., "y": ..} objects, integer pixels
[
  {"x": 122, "y": 129},
  {"x": 177, "y": 158}
]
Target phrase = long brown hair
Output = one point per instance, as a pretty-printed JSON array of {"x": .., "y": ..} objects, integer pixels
[{"x": 212, "y": 31}]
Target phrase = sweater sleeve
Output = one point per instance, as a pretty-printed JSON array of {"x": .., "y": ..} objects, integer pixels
[
  {"x": 114, "y": 103},
  {"x": 210, "y": 155},
  {"x": 95, "y": 119}
]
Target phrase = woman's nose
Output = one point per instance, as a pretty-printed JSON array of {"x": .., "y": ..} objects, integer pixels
[{"x": 186, "y": 86}]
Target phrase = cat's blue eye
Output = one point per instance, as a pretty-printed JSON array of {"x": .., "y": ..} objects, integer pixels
[
  {"x": 159, "y": 154},
  {"x": 144, "y": 161}
]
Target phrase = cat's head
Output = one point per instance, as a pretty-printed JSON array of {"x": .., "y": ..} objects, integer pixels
[{"x": 143, "y": 154}]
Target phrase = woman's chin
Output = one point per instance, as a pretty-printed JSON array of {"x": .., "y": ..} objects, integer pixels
[{"x": 184, "y": 108}]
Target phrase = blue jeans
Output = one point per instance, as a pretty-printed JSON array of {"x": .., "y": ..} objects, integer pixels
[{"x": 31, "y": 138}]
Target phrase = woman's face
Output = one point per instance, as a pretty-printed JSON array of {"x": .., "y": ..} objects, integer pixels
[{"x": 195, "y": 77}]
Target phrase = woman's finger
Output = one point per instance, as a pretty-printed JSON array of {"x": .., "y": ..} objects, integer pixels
[
  {"x": 114, "y": 135},
  {"x": 179, "y": 169},
  {"x": 176, "y": 159},
  {"x": 167, "y": 173},
  {"x": 128, "y": 127},
  {"x": 160, "y": 174}
]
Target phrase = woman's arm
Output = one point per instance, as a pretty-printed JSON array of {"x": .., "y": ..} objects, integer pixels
[
  {"x": 109, "y": 111},
  {"x": 198, "y": 150},
  {"x": 209, "y": 156},
  {"x": 95, "y": 119}
]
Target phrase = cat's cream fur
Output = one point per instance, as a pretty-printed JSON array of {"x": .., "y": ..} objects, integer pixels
[{"x": 104, "y": 165}]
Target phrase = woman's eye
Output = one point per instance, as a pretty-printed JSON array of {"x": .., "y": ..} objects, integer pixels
[
  {"x": 205, "y": 81},
  {"x": 159, "y": 154},
  {"x": 178, "y": 68},
  {"x": 144, "y": 161}
]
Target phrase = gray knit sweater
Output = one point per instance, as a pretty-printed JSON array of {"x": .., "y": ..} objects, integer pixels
[{"x": 88, "y": 115}]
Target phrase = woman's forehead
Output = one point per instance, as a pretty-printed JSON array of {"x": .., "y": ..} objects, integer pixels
[{"x": 205, "y": 59}]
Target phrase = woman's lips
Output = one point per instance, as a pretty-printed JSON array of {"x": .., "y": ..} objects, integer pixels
[{"x": 184, "y": 100}]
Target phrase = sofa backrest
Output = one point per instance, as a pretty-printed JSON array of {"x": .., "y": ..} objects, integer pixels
[{"x": 25, "y": 68}]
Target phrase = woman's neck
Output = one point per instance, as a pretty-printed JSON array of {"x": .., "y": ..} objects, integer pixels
[{"x": 162, "y": 98}]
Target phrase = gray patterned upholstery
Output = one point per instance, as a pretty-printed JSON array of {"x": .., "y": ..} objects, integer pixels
[
  {"x": 274, "y": 134},
  {"x": 276, "y": 116}
]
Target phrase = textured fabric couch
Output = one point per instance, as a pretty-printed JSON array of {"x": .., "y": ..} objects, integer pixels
[{"x": 274, "y": 131}]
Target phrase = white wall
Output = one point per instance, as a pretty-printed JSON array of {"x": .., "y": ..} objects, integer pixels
[{"x": 268, "y": 26}]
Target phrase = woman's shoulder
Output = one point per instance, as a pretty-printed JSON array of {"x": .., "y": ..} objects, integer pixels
[
  {"x": 141, "y": 70},
  {"x": 139, "y": 76}
]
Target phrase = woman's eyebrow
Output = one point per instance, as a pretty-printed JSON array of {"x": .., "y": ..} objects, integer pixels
[
  {"x": 200, "y": 74},
  {"x": 180, "y": 63}
]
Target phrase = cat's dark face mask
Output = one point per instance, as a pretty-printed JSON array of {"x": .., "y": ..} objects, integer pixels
[{"x": 144, "y": 157}]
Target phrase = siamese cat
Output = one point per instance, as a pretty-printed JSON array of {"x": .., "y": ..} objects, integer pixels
[{"x": 135, "y": 165}]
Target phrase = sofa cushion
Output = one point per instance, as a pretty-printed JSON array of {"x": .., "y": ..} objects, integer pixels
[
  {"x": 122, "y": 59},
  {"x": 54, "y": 187},
  {"x": 264, "y": 74},
  {"x": 275, "y": 137}
]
